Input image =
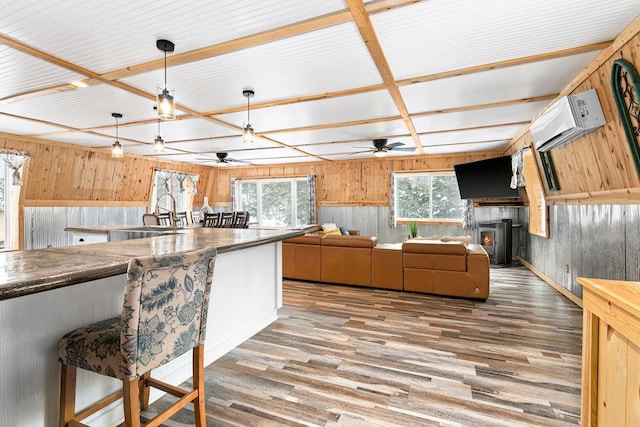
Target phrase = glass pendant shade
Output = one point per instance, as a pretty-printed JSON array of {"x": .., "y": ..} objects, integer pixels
[
  {"x": 158, "y": 144},
  {"x": 166, "y": 103},
  {"x": 247, "y": 134},
  {"x": 116, "y": 150}
]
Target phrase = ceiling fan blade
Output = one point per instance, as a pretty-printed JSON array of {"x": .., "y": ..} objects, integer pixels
[
  {"x": 394, "y": 145},
  {"x": 402, "y": 148},
  {"x": 238, "y": 161},
  {"x": 360, "y": 152},
  {"x": 358, "y": 146}
]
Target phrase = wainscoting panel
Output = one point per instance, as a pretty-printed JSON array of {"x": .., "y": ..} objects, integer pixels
[
  {"x": 588, "y": 241},
  {"x": 632, "y": 242},
  {"x": 44, "y": 226}
]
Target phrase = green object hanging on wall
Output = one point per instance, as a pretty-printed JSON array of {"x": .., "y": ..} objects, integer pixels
[{"x": 625, "y": 83}]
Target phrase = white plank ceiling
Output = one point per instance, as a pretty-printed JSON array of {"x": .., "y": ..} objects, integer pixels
[{"x": 318, "y": 69}]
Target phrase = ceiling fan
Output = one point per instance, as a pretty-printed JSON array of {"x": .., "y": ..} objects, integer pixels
[
  {"x": 380, "y": 148},
  {"x": 223, "y": 160}
]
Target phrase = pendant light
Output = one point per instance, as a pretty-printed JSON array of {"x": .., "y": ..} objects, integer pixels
[
  {"x": 164, "y": 97},
  {"x": 247, "y": 131},
  {"x": 116, "y": 149},
  {"x": 158, "y": 143}
]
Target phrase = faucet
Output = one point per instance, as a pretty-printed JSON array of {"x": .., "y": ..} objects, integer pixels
[{"x": 174, "y": 217}]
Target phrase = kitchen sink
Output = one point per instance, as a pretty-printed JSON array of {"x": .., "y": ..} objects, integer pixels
[{"x": 140, "y": 232}]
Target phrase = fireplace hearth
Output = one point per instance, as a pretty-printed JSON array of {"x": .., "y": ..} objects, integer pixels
[{"x": 495, "y": 238}]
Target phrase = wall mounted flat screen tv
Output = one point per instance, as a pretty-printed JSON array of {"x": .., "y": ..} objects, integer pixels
[{"x": 486, "y": 179}]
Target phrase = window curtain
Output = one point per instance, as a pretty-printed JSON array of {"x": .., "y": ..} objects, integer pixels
[
  {"x": 517, "y": 165},
  {"x": 392, "y": 209},
  {"x": 163, "y": 179},
  {"x": 311, "y": 180},
  {"x": 181, "y": 179},
  {"x": 467, "y": 214},
  {"x": 14, "y": 161},
  {"x": 234, "y": 194},
  {"x": 194, "y": 181}
]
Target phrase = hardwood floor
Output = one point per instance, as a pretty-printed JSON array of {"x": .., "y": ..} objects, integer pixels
[{"x": 346, "y": 356}]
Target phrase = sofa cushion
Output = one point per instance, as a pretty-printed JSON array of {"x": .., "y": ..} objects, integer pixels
[
  {"x": 329, "y": 227},
  {"x": 350, "y": 241},
  {"x": 346, "y": 265},
  {"x": 434, "y": 247},
  {"x": 334, "y": 232}
]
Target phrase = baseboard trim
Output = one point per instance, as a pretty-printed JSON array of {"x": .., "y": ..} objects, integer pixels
[{"x": 555, "y": 285}]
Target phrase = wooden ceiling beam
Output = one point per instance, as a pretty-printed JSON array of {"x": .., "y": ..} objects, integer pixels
[{"x": 370, "y": 38}]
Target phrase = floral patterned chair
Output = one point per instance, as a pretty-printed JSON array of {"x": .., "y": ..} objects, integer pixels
[{"x": 164, "y": 315}]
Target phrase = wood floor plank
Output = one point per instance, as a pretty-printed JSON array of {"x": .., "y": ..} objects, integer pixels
[{"x": 348, "y": 356}]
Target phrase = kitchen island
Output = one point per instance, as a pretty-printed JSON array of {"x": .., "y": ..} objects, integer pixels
[{"x": 45, "y": 293}]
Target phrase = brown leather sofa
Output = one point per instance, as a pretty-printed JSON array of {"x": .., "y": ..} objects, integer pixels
[
  {"x": 446, "y": 268},
  {"x": 428, "y": 266}
]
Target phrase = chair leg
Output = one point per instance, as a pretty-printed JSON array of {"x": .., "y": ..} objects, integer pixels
[
  {"x": 131, "y": 397},
  {"x": 67, "y": 394},
  {"x": 144, "y": 391},
  {"x": 198, "y": 384}
]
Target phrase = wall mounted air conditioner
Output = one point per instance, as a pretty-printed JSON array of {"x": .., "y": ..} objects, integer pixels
[{"x": 566, "y": 120}]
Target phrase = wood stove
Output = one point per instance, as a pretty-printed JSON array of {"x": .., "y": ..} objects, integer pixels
[{"x": 495, "y": 238}]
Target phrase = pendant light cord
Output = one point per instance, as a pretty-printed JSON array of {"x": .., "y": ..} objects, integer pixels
[
  {"x": 165, "y": 68},
  {"x": 117, "y": 129},
  {"x": 248, "y": 110}
]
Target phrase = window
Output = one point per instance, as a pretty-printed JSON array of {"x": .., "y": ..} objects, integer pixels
[
  {"x": 275, "y": 202},
  {"x": 427, "y": 196}
]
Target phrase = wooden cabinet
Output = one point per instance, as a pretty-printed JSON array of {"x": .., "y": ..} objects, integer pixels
[{"x": 611, "y": 353}]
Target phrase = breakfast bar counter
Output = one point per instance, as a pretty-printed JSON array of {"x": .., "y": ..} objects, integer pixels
[{"x": 45, "y": 293}]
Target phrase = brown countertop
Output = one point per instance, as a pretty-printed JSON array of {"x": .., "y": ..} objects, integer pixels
[{"x": 27, "y": 272}]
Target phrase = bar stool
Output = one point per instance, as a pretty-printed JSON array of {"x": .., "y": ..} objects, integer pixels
[
  {"x": 164, "y": 218},
  {"x": 181, "y": 217},
  {"x": 212, "y": 219},
  {"x": 240, "y": 219},
  {"x": 227, "y": 220},
  {"x": 150, "y": 219},
  {"x": 164, "y": 315}
]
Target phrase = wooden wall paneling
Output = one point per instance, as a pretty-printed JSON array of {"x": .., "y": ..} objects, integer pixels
[{"x": 354, "y": 184}]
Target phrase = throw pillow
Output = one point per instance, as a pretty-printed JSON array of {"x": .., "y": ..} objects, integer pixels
[
  {"x": 329, "y": 227},
  {"x": 463, "y": 239},
  {"x": 335, "y": 231},
  {"x": 344, "y": 231}
]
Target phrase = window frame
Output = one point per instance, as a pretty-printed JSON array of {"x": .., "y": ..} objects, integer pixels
[
  {"x": 259, "y": 182},
  {"x": 430, "y": 220}
]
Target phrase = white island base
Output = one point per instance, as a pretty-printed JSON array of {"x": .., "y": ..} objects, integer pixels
[{"x": 246, "y": 295}]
